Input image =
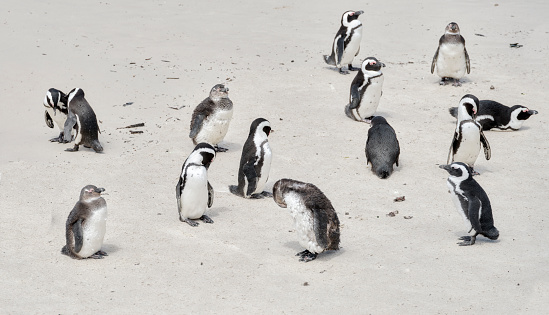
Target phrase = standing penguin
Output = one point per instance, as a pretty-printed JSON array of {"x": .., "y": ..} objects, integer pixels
[
  {"x": 468, "y": 135},
  {"x": 471, "y": 202},
  {"x": 382, "y": 148},
  {"x": 346, "y": 42},
  {"x": 492, "y": 114},
  {"x": 86, "y": 225},
  {"x": 82, "y": 115},
  {"x": 193, "y": 190},
  {"x": 255, "y": 162},
  {"x": 316, "y": 221},
  {"x": 451, "y": 57},
  {"x": 211, "y": 118},
  {"x": 365, "y": 91},
  {"x": 55, "y": 102}
]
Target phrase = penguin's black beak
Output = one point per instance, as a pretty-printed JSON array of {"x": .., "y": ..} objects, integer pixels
[
  {"x": 382, "y": 64},
  {"x": 357, "y": 13},
  {"x": 99, "y": 190},
  {"x": 445, "y": 167},
  {"x": 532, "y": 112}
]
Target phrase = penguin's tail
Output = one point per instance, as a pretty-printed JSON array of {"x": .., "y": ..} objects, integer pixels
[
  {"x": 348, "y": 111},
  {"x": 383, "y": 172},
  {"x": 96, "y": 146},
  {"x": 234, "y": 190},
  {"x": 329, "y": 60},
  {"x": 65, "y": 250},
  {"x": 453, "y": 111},
  {"x": 492, "y": 233}
]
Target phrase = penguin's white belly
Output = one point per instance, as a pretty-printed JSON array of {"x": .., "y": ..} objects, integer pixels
[
  {"x": 58, "y": 117},
  {"x": 461, "y": 211},
  {"x": 451, "y": 61},
  {"x": 469, "y": 147},
  {"x": 265, "y": 169},
  {"x": 93, "y": 232},
  {"x": 370, "y": 99},
  {"x": 304, "y": 224},
  {"x": 352, "y": 47},
  {"x": 215, "y": 127},
  {"x": 194, "y": 198}
]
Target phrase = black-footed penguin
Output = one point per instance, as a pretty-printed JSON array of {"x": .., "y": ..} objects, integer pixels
[
  {"x": 471, "y": 202},
  {"x": 451, "y": 57},
  {"x": 255, "y": 162},
  {"x": 82, "y": 115},
  {"x": 346, "y": 42},
  {"x": 86, "y": 225},
  {"x": 316, "y": 221},
  {"x": 211, "y": 118},
  {"x": 382, "y": 148},
  {"x": 365, "y": 91},
  {"x": 492, "y": 114},
  {"x": 55, "y": 102},
  {"x": 468, "y": 135},
  {"x": 193, "y": 190}
]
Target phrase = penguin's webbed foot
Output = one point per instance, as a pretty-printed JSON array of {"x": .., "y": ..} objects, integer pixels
[
  {"x": 474, "y": 173},
  {"x": 206, "y": 219},
  {"x": 467, "y": 240},
  {"x": 456, "y": 82},
  {"x": 58, "y": 139},
  {"x": 351, "y": 68},
  {"x": 267, "y": 194},
  {"x": 99, "y": 255},
  {"x": 189, "y": 222},
  {"x": 73, "y": 149},
  {"x": 306, "y": 256},
  {"x": 368, "y": 120},
  {"x": 220, "y": 149},
  {"x": 341, "y": 71}
]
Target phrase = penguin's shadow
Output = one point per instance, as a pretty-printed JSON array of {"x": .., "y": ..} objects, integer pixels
[
  {"x": 110, "y": 248},
  {"x": 231, "y": 146},
  {"x": 327, "y": 255},
  {"x": 214, "y": 212}
]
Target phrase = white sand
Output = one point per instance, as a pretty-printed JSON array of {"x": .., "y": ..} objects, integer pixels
[{"x": 270, "y": 56}]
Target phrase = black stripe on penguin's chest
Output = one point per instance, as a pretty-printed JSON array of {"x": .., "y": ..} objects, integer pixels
[
  {"x": 185, "y": 174},
  {"x": 350, "y": 36},
  {"x": 464, "y": 202},
  {"x": 261, "y": 158}
]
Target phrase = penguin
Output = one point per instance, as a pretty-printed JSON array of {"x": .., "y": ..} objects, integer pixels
[
  {"x": 82, "y": 116},
  {"x": 468, "y": 135},
  {"x": 315, "y": 219},
  {"x": 56, "y": 111},
  {"x": 86, "y": 225},
  {"x": 255, "y": 162},
  {"x": 365, "y": 91},
  {"x": 211, "y": 118},
  {"x": 471, "y": 202},
  {"x": 382, "y": 147},
  {"x": 492, "y": 114},
  {"x": 451, "y": 58},
  {"x": 346, "y": 42},
  {"x": 193, "y": 190}
]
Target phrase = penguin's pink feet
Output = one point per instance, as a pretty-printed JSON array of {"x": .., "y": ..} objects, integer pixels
[{"x": 456, "y": 82}]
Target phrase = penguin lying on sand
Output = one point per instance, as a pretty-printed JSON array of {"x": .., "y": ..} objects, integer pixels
[
  {"x": 365, "y": 91},
  {"x": 82, "y": 116},
  {"x": 346, "y": 42},
  {"x": 451, "y": 58}
]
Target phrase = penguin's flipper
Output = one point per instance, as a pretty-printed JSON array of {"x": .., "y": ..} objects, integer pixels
[
  {"x": 69, "y": 124},
  {"x": 473, "y": 212},
  {"x": 434, "y": 61},
  {"x": 453, "y": 111},
  {"x": 49, "y": 121},
  {"x": 210, "y": 195},
  {"x": 196, "y": 125},
  {"x": 320, "y": 227},
  {"x": 78, "y": 237},
  {"x": 486, "y": 145},
  {"x": 355, "y": 96},
  {"x": 178, "y": 189},
  {"x": 467, "y": 62},
  {"x": 453, "y": 148},
  {"x": 340, "y": 47},
  {"x": 251, "y": 177}
]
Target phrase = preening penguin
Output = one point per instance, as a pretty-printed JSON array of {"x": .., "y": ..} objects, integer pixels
[
  {"x": 492, "y": 114},
  {"x": 365, "y": 91},
  {"x": 451, "y": 58},
  {"x": 83, "y": 117},
  {"x": 55, "y": 102},
  {"x": 193, "y": 191},
  {"x": 471, "y": 202},
  {"x": 86, "y": 225},
  {"x": 255, "y": 162},
  {"x": 382, "y": 147},
  {"x": 316, "y": 221},
  {"x": 211, "y": 118},
  {"x": 346, "y": 42}
]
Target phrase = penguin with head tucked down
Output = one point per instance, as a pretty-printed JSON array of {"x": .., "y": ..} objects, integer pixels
[
  {"x": 55, "y": 102},
  {"x": 346, "y": 42},
  {"x": 82, "y": 117},
  {"x": 365, "y": 91},
  {"x": 382, "y": 147}
]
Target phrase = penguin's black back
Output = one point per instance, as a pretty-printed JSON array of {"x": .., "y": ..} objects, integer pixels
[
  {"x": 87, "y": 119},
  {"x": 472, "y": 189},
  {"x": 382, "y": 147}
]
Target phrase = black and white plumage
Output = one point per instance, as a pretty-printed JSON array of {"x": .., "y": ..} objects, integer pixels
[
  {"x": 492, "y": 114},
  {"x": 211, "y": 118},
  {"x": 55, "y": 102},
  {"x": 346, "y": 42},
  {"x": 81, "y": 117},
  {"x": 193, "y": 190},
  {"x": 451, "y": 58},
  {"x": 316, "y": 221},
  {"x": 255, "y": 162},
  {"x": 468, "y": 135},
  {"x": 382, "y": 147},
  {"x": 86, "y": 225},
  {"x": 366, "y": 90},
  {"x": 471, "y": 202}
]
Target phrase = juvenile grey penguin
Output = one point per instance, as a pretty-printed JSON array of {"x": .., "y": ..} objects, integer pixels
[
  {"x": 193, "y": 190},
  {"x": 315, "y": 219},
  {"x": 382, "y": 148},
  {"x": 86, "y": 225},
  {"x": 346, "y": 42},
  {"x": 492, "y": 114},
  {"x": 451, "y": 58},
  {"x": 471, "y": 202},
  {"x": 365, "y": 91},
  {"x": 211, "y": 118},
  {"x": 55, "y": 102},
  {"x": 255, "y": 162},
  {"x": 83, "y": 117},
  {"x": 468, "y": 135}
]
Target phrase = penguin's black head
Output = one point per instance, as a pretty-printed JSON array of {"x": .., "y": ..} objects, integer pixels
[
  {"x": 470, "y": 102},
  {"x": 207, "y": 152},
  {"x": 372, "y": 64},
  {"x": 260, "y": 124},
  {"x": 378, "y": 120},
  {"x": 90, "y": 192},
  {"x": 457, "y": 169},
  {"x": 452, "y": 28},
  {"x": 523, "y": 112},
  {"x": 350, "y": 16}
]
